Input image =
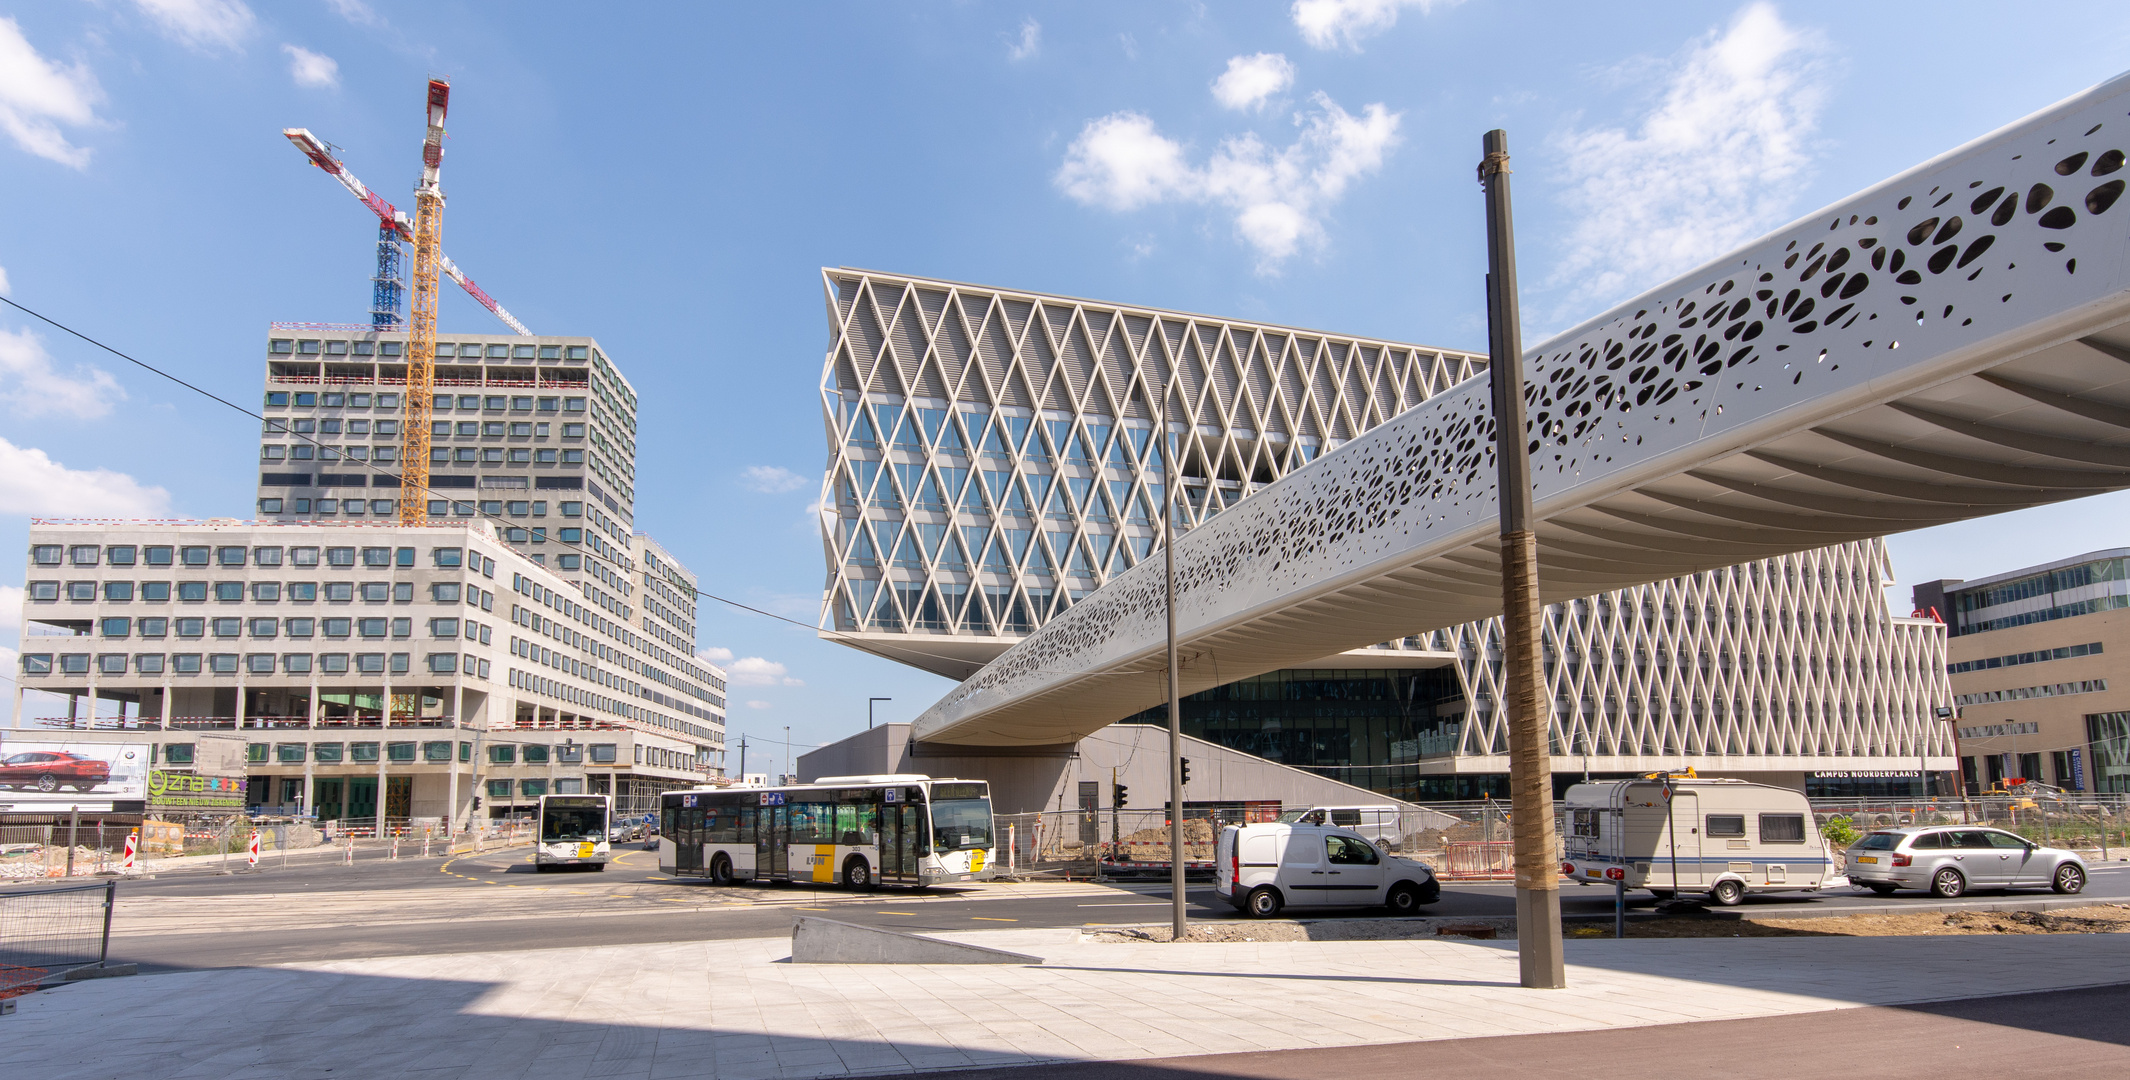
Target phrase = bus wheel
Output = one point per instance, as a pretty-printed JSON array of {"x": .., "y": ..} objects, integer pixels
[
  {"x": 856, "y": 873},
  {"x": 598, "y": 867},
  {"x": 720, "y": 870}
]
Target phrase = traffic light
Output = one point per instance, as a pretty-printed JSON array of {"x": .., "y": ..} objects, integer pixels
[
  {"x": 476, "y": 802},
  {"x": 1118, "y": 795},
  {"x": 1186, "y": 770}
]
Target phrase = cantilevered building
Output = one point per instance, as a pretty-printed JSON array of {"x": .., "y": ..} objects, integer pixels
[{"x": 993, "y": 461}]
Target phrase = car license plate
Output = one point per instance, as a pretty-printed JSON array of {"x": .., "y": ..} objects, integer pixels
[
  {"x": 584, "y": 851},
  {"x": 1867, "y": 858}
]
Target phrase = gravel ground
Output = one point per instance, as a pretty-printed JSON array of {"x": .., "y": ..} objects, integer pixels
[{"x": 2094, "y": 919}]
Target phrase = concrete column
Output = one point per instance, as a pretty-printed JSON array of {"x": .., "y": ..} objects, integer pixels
[
  {"x": 458, "y": 723},
  {"x": 311, "y": 751}
]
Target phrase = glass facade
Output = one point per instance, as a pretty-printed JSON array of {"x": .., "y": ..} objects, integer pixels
[
  {"x": 1369, "y": 728},
  {"x": 2108, "y": 734},
  {"x": 2101, "y": 585}
]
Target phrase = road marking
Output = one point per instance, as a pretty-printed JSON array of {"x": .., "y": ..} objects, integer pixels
[
  {"x": 986, "y": 918},
  {"x": 1163, "y": 903},
  {"x": 894, "y": 913},
  {"x": 812, "y": 909}
]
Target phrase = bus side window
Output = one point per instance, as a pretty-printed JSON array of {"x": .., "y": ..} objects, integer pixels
[
  {"x": 665, "y": 821},
  {"x": 747, "y": 823}
]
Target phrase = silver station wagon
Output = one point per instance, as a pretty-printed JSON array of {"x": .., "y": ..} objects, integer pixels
[{"x": 1951, "y": 860}]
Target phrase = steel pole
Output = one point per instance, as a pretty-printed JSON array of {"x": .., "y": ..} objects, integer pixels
[
  {"x": 1538, "y": 904},
  {"x": 1168, "y": 555}
]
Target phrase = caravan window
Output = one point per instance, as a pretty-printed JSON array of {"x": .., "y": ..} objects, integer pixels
[
  {"x": 1782, "y": 828},
  {"x": 1585, "y": 824},
  {"x": 1721, "y": 825}
]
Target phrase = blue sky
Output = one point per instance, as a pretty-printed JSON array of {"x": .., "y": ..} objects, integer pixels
[{"x": 670, "y": 179}]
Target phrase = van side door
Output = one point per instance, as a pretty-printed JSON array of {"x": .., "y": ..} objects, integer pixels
[
  {"x": 1302, "y": 875},
  {"x": 1353, "y": 870}
]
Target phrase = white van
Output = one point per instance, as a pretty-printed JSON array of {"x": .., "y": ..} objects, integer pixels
[
  {"x": 1376, "y": 824},
  {"x": 1732, "y": 837},
  {"x": 1263, "y": 868}
]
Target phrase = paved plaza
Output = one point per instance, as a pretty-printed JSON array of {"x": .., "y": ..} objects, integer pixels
[{"x": 738, "y": 1008}]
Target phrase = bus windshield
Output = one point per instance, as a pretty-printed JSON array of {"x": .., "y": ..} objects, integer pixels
[
  {"x": 566, "y": 823},
  {"x": 959, "y": 824}
]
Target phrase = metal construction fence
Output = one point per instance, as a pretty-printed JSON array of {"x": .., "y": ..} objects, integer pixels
[
  {"x": 1471, "y": 840},
  {"x": 49, "y": 932}
]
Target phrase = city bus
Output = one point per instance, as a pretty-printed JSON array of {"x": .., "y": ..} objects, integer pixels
[
  {"x": 860, "y": 831},
  {"x": 573, "y": 831}
]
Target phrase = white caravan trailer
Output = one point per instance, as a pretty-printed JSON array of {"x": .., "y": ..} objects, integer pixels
[{"x": 1688, "y": 834}]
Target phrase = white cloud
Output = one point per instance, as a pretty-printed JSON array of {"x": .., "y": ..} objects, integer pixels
[
  {"x": 772, "y": 479},
  {"x": 1029, "y": 43},
  {"x": 716, "y": 654},
  {"x": 756, "y": 671},
  {"x": 10, "y": 611},
  {"x": 32, "y": 386},
  {"x": 206, "y": 25},
  {"x": 357, "y": 12},
  {"x": 1327, "y": 23},
  {"x": 3, "y": 281},
  {"x": 1279, "y": 196},
  {"x": 1250, "y": 80},
  {"x": 1714, "y": 164},
  {"x": 31, "y": 483},
  {"x": 759, "y": 705},
  {"x": 312, "y": 69},
  {"x": 36, "y": 96}
]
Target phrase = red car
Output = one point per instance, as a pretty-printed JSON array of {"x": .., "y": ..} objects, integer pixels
[{"x": 50, "y": 770}]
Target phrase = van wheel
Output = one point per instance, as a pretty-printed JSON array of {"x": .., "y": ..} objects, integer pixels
[
  {"x": 1383, "y": 845},
  {"x": 1404, "y": 899},
  {"x": 856, "y": 874},
  {"x": 1263, "y": 902},
  {"x": 1727, "y": 892},
  {"x": 721, "y": 870},
  {"x": 1947, "y": 884}
]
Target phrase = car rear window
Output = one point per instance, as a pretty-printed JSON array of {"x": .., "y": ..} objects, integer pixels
[{"x": 1879, "y": 841}]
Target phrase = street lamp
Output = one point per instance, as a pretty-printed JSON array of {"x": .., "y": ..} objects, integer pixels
[{"x": 869, "y": 710}]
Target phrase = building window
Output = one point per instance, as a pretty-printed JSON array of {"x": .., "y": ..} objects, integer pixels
[
  {"x": 444, "y": 592},
  {"x": 296, "y": 663},
  {"x": 604, "y": 753},
  {"x": 399, "y": 752},
  {"x": 117, "y": 627},
  {"x": 178, "y": 754},
  {"x": 333, "y": 663},
  {"x": 118, "y": 591},
  {"x": 531, "y": 789},
  {"x": 193, "y": 556},
  {"x": 192, "y": 591},
  {"x": 266, "y": 592},
  {"x": 536, "y": 755},
  {"x": 270, "y": 506},
  {"x": 436, "y": 751},
  {"x": 328, "y": 753},
  {"x": 228, "y": 627},
  {"x": 190, "y": 627},
  {"x": 222, "y": 663},
  {"x": 111, "y": 664},
  {"x": 572, "y": 457},
  {"x": 229, "y": 592},
  {"x": 499, "y": 789},
  {"x": 185, "y": 663},
  {"x": 402, "y": 663},
  {"x": 569, "y": 785},
  {"x": 265, "y": 628},
  {"x": 148, "y": 663},
  {"x": 303, "y": 592},
  {"x": 503, "y": 755},
  {"x": 448, "y": 557},
  {"x": 363, "y": 752},
  {"x": 339, "y": 592},
  {"x": 259, "y": 663},
  {"x": 155, "y": 591}
]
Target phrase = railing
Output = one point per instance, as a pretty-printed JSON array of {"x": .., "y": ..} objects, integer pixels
[
  {"x": 568, "y": 724},
  {"x": 50, "y": 932},
  {"x": 231, "y": 723}
]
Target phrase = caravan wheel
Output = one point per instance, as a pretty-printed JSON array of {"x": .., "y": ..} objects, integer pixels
[{"x": 1728, "y": 892}]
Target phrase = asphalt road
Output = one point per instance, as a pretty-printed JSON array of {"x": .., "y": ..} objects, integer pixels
[
  {"x": 316, "y": 909},
  {"x": 2061, "y": 1034}
]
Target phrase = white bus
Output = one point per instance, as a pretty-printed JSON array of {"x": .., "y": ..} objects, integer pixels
[
  {"x": 573, "y": 832},
  {"x": 861, "y": 831}
]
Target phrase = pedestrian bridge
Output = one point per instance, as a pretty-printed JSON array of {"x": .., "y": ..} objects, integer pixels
[{"x": 1951, "y": 343}]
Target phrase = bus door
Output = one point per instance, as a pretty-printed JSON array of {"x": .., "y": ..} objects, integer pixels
[
  {"x": 901, "y": 827},
  {"x": 688, "y": 842},
  {"x": 772, "y": 847}
]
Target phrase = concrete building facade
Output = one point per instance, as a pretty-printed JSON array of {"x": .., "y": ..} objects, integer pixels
[
  {"x": 436, "y": 664},
  {"x": 994, "y": 460},
  {"x": 2030, "y": 663}
]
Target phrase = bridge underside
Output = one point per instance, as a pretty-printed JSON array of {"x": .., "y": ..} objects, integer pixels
[{"x": 1999, "y": 379}]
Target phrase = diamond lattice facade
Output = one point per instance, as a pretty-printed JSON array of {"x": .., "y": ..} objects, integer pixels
[{"x": 993, "y": 462}]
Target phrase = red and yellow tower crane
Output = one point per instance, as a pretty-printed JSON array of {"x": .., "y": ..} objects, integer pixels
[{"x": 425, "y": 232}]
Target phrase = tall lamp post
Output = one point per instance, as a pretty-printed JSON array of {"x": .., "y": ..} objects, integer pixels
[
  {"x": 1538, "y": 895},
  {"x": 869, "y": 710}
]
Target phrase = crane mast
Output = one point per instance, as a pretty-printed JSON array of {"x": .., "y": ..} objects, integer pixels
[{"x": 421, "y": 330}]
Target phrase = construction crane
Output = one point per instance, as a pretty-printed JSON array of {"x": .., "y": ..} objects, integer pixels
[
  {"x": 393, "y": 229},
  {"x": 421, "y": 330}
]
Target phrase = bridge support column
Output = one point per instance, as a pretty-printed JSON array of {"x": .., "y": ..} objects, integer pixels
[{"x": 1538, "y": 903}]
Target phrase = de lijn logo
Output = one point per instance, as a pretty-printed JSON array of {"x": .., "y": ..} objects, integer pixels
[{"x": 161, "y": 784}]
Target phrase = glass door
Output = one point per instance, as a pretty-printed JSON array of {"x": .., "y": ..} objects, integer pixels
[
  {"x": 772, "y": 846},
  {"x": 688, "y": 843}
]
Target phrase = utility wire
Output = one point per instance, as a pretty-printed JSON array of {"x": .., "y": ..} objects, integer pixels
[{"x": 431, "y": 492}]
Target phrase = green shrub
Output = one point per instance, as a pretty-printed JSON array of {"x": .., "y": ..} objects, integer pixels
[{"x": 1840, "y": 831}]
